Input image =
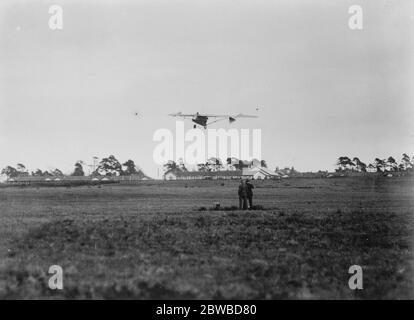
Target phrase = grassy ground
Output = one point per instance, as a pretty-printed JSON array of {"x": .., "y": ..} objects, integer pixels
[{"x": 153, "y": 241}]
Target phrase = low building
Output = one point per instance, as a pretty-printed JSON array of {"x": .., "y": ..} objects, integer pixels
[
  {"x": 260, "y": 173},
  {"x": 56, "y": 180},
  {"x": 39, "y": 180},
  {"x": 257, "y": 173},
  {"x": 202, "y": 175}
]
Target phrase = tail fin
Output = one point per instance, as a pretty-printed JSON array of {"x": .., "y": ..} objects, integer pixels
[{"x": 241, "y": 115}]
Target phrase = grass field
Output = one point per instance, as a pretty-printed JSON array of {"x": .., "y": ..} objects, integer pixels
[{"x": 154, "y": 240}]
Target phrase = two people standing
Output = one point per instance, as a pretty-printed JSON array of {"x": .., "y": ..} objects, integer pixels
[{"x": 245, "y": 194}]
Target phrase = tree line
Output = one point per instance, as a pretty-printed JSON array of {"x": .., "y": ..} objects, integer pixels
[
  {"x": 215, "y": 164},
  {"x": 108, "y": 166},
  {"x": 345, "y": 163}
]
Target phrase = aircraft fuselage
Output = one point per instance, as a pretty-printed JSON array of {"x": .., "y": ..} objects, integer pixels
[{"x": 200, "y": 120}]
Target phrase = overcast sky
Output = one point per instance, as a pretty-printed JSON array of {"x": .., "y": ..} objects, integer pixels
[{"x": 323, "y": 90}]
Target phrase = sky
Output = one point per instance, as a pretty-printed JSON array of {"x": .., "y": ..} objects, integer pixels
[{"x": 323, "y": 90}]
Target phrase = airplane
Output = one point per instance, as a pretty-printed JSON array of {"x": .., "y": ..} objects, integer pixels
[{"x": 201, "y": 119}]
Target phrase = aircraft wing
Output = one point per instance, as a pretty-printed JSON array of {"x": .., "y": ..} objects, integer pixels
[
  {"x": 215, "y": 115},
  {"x": 240, "y": 115},
  {"x": 179, "y": 114}
]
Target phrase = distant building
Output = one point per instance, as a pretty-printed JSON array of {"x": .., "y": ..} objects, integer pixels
[
  {"x": 202, "y": 175},
  {"x": 285, "y": 171},
  {"x": 256, "y": 173},
  {"x": 28, "y": 180},
  {"x": 53, "y": 180},
  {"x": 260, "y": 173}
]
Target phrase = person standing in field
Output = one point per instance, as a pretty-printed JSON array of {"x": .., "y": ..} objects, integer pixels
[
  {"x": 250, "y": 188},
  {"x": 242, "y": 195}
]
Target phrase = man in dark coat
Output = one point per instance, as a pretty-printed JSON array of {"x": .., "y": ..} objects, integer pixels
[
  {"x": 242, "y": 195},
  {"x": 250, "y": 188}
]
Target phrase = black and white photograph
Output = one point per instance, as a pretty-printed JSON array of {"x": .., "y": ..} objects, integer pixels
[{"x": 206, "y": 150}]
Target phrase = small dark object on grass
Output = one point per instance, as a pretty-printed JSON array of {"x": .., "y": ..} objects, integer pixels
[
  {"x": 217, "y": 207},
  {"x": 10, "y": 253},
  {"x": 232, "y": 208},
  {"x": 222, "y": 184},
  {"x": 257, "y": 207},
  {"x": 224, "y": 208}
]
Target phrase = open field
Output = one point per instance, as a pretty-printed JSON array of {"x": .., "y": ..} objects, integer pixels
[{"x": 153, "y": 241}]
